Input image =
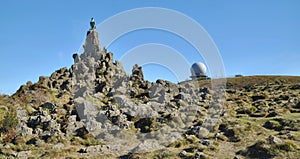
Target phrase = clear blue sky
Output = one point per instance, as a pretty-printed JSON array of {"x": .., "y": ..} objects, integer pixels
[{"x": 253, "y": 36}]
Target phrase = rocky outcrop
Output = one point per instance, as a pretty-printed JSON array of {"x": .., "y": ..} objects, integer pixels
[{"x": 137, "y": 73}]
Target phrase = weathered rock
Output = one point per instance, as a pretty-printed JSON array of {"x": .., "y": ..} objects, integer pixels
[
  {"x": 22, "y": 115},
  {"x": 129, "y": 107},
  {"x": 23, "y": 129},
  {"x": 73, "y": 125},
  {"x": 58, "y": 146},
  {"x": 146, "y": 146},
  {"x": 274, "y": 140},
  {"x": 34, "y": 121},
  {"x": 49, "y": 106},
  {"x": 199, "y": 131},
  {"x": 137, "y": 73},
  {"x": 23, "y": 154},
  {"x": 183, "y": 154},
  {"x": 205, "y": 142},
  {"x": 296, "y": 86},
  {"x": 51, "y": 125},
  {"x": 44, "y": 82},
  {"x": 91, "y": 46},
  {"x": 38, "y": 131},
  {"x": 200, "y": 155}
]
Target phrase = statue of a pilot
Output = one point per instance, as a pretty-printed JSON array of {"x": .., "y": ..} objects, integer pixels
[{"x": 93, "y": 24}]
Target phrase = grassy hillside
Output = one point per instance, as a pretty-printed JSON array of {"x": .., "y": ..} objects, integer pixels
[
  {"x": 245, "y": 81},
  {"x": 260, "y": 120}
]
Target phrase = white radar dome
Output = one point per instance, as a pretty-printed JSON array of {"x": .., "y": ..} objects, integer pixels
[{"x": 198, "y": 69}]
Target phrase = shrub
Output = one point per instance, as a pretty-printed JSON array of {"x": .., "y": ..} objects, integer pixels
[{"x": 9, "y": 122}]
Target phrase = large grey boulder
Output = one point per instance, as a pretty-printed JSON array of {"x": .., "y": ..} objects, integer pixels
[
  {"x": 91, "y": 46},
  {"x": 23, "y": 129},
  {"x": 73, "y": 125},
  {"x": 22, "y": 114},
  {"x": 137, "y": 110},
  {"x": 158, "y": 94}
]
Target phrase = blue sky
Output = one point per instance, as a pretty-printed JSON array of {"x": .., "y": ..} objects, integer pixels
[{"x": 253, "y": 37}]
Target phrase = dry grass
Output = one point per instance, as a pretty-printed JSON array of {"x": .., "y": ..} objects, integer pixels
[{"x": 239, "y": 82}]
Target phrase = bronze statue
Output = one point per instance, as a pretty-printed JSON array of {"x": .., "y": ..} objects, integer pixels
[
  {"x": 75, "y": 57},
  {"x": 93, "y": 24}
]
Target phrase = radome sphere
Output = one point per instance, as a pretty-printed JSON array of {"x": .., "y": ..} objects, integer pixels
[{"x": 198, "y": 69}]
